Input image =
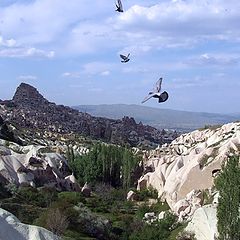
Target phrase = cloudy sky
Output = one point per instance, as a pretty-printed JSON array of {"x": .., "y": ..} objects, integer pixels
[{"x": 70, "y": 51}]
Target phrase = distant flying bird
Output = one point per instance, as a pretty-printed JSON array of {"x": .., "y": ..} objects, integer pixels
[
  {"x": 156, "y": 93},
  {"x": 119, "y": 6},
  {"x": 125, "y": 58}
]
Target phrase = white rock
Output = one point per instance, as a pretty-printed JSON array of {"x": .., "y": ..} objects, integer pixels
[
  {"x": 86, "y": 191},
  {"x": 204, "y": 223},
  {"x": 12, "y": 229},
  {"x": 150, "y": 216},
  {"x": 131, "y": 196},
  {"x": 161, "y": 215},
  {"x": 180, "y": 206},
  {"x": 190, "y": 162}
]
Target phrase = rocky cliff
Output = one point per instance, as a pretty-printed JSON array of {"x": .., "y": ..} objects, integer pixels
[
  {"x": 183, "y": 170},
  {"x": 30, "y": 110}
]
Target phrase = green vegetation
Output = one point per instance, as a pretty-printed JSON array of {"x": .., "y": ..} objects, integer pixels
[
  {"x": 106, "y": 214},
  {"x": 146, "y": 193},
  {"x": 207, "y": 197},
  {"x": 159, "y": 230},
  {"x": 228, "y": 211},
  {"x": 107, "y": 164}
]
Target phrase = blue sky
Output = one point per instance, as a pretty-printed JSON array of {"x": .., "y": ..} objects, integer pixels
[{"x": 70, "y": 51}]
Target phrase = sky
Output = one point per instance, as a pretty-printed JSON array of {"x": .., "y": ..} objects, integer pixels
[{"x": 69, "y": 50}]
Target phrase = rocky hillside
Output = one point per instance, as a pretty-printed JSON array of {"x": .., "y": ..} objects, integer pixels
[
  {"x": 183, "y": 171},
  {"x": 30, "y": 110}
]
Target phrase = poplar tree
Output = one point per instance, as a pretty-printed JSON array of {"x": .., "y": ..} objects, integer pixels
[
  {"x": 228, "y": 210},
  {"x": 108, "y": 164}
]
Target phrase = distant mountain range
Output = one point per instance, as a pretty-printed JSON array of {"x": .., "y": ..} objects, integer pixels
[{"x": 159, "y": 118}]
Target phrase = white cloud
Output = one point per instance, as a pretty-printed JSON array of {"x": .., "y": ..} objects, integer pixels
[
  {"x": 21, "y": 52},
  {"x": 27, "y": 78},
  {"x": 172, "y": 24},
  {"x": 208, "y": 59},
  {"x": 42, "y": 20},
  {"x": 7, "y": 43},
  {"x": 95, "y": 68},
  {"x": 105, "y": 73},
  {"x": 81, "y": 27},
  {"x": 71, "y": 75}
]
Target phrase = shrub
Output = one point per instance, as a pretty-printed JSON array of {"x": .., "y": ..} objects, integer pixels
[
  {"x": 185, "y": 235},
  {"x": 57, "y": 222},
  {"x": 71, "y": 197},
  {"x": 42, "y": 197},
  {"x": 147, "y": 193}
]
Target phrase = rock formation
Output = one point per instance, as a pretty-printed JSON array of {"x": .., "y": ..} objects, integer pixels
[
  {"x": 7, "y": 133},
  {"x": 204, "y": 223},
  {"x": 25, "y": 93},
  {"x": 30, "y": 166},
  {"x": 30, "y": 110},
  {"x": 12, "y": 229},
  {"x": 182, "y": 170}
]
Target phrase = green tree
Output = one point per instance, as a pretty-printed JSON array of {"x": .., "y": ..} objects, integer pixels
[
  {"x": 108, "y": 164},
  {"x": 228, "y": 211}
]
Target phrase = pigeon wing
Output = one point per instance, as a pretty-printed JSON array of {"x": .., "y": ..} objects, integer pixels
[
  {"x": 147, "y": 97},
  {"x": 123, "y": 57},
  {"x": 120, "y": 5},
  {"x": 158, "y": 85}
]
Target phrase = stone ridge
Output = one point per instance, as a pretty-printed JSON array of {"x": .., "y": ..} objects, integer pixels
[
  {"x": 30, "y": 110},
  {"x": 27, "y": 94}
]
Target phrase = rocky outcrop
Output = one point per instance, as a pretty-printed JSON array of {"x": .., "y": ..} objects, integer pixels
[
  {"x": 86, "y": 190},
  {"x": 204, "y": 223},
  {"x": 30, "y": 110},
  {"x": 190, "y": 163},
  {"x": 12, "y": 229},
  {"x": 131, "y": 196},
  {"x": 28, "y": 95},
  {"x": 7, "y": 133},
  {"x": 34, "y": 168}
]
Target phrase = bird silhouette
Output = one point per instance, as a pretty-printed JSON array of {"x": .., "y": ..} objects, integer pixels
[
  {"x": 125, "y": 59},
  {"x": 119, "y": 6},
  {"x": 156, "y": 93}
]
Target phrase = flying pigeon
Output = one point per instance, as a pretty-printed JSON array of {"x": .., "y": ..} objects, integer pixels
[
  {"x": 119, "y": 6},
  {"x": 156, "y": 93},
  {"x": 125, "y": 58}
]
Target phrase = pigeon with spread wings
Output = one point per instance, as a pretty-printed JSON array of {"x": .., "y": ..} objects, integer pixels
[
  {"x": 156, "y": 93},
  {"x": 124, "y": 58},
  {"x": 119, "y": 6}
]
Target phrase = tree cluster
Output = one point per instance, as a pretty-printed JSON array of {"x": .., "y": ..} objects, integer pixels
[{"x": 107, "y": 164}]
